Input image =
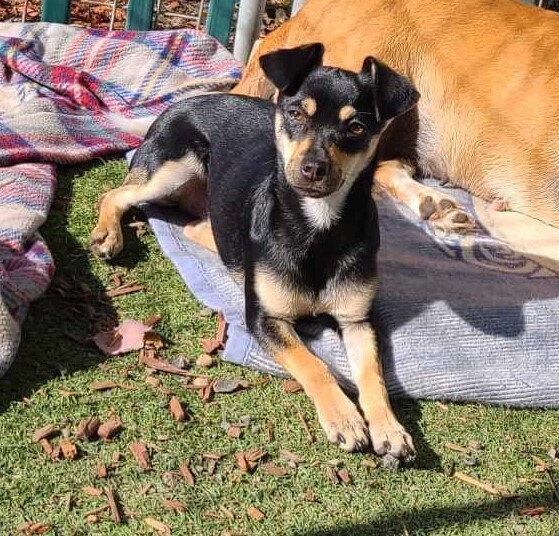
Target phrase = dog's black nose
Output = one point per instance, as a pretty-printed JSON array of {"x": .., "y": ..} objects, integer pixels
[{"x": 314, "y": 169}]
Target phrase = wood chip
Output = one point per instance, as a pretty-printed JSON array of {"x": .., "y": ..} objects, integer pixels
[
  {"x": 310, "y": 437},
  {"x": 291, "y": 456},
  {"x": 156, "y": 525},
  {"x": 153, "y": 320},
  {"x": 153, "y": 340},
  {"x": 205, "y": 361},
  {"x": 110, "y": 428},
  {"x": 200, "y": 383},
  {"x": 34, "y": 528},
  {"x": 87, "y": 429},
  {"x": 46, "y": 446},
  {"x": 177, "y": 410},
  {"x": 55, "y": 454},
  {"x": 229, "y": 385},
  {"x": 274, "y": 470},
  {"x": 177, "y": 506},
  {"x": 533, "y": 511},
  {"x": 291, "y": 386},
  {"x": 221, "y": 336},
  {"x": 113, "y": 505},
  {"x": 140, "y": 452},
  {"x": 210, "y": 346},
  {"x": 206, "y": 393},
  {"x": 69, "y": 450},
  {"x": 457, "y": 448},
  {"x": 242, "y": 463},
  {"x": 162, "y": 366},
  {"x": 488, "y": 488},
  {"x": 345, "y": 477},
  {"x": 255, "y": 455},
  {"x": 103, "y": 385},
  {"x": 269, "y": 431},
  {"x": 186, "y": 473},
  {"x": 101, "y": 470},
  {"x": 44, "y": 433},
  {"x": 127, "y": 288},
  {"x": 91, "y": 519},
  {"x": 92, "y": 492},
  {"x": 441, "y": 406},
  {"x": 332, "y": 475},
  {"x": 234, "y": 432},
  {"x": 255, "y": 513}
]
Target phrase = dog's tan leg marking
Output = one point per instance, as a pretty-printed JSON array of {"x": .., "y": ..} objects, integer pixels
[
  {"x": 201, "y": 232},
  {"x": 106, "y": 238},
  {"x": 442, "y": 211},
  {"x": 388, "y": 436},
  {"x": 338, "y": 416}
]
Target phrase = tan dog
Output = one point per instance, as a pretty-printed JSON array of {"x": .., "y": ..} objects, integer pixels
[{"x": 488, "y": 74}]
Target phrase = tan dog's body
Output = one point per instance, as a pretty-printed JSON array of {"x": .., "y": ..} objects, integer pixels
[{"x": 488, "y": 74}]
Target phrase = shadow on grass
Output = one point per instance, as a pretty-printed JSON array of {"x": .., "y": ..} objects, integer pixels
[
  {"x": 426, "y": 521},
  {"x": 53, "y": 341}
]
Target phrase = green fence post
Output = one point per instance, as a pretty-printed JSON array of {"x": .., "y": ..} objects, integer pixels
[
  {"x": 55, "y": 11},
  {"x": 139, "y": 15},
  {"x": 218, "y": 24}
]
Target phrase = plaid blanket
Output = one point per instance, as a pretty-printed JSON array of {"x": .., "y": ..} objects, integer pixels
[{"x": 62, "y": 92}]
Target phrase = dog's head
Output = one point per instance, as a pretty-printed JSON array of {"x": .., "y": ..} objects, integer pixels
[{"x": 328, "y": 121}]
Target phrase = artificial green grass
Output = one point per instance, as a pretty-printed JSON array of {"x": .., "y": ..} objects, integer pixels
[{"x": 53, "y": 373}]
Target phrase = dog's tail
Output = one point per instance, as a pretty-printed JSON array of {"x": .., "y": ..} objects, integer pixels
[{"x": 137, "y": 126}]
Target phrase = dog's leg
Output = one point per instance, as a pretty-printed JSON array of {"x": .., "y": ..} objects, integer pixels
[
  {"x": 106, "y": 238},
  {"x": 338, "y": 416},
  {"x": 200, "y": 231},
  {"x": 442, "y": 211},
  {"x": 388, "y": 436}
]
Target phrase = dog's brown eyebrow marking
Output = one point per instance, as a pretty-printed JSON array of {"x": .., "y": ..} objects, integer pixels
[
  {"x": 309, "y": 105},
  {"x": 347, "y": 112}
]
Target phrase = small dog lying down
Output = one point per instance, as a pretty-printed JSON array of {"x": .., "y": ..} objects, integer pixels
[{"x": 288, "y": 196}]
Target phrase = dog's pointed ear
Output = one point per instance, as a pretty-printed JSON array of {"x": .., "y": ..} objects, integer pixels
[
  {"x": 286, "y": 68},
  {"x": 394, "y": 93}
]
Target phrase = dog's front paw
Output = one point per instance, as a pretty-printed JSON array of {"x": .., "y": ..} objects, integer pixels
[
  {"x": 106, "y": 242},
  {"x": 446, "y": 215},
  {"x": 343, "y": 424},
  {"x": 391, "y": 441}
]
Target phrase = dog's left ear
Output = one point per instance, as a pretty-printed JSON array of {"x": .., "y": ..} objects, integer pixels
[
  {"x": 287, "y": 68},
  {"x": 394, "y": 93}
]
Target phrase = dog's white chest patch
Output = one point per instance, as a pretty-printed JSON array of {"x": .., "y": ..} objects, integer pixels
[{"x": 323, "y": 212}]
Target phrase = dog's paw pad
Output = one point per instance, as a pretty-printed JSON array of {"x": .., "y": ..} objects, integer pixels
[{"x": 392, "y": 442}]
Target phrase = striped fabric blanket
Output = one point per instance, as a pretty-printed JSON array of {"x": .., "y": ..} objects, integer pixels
[{"x": 61, "y": 91}]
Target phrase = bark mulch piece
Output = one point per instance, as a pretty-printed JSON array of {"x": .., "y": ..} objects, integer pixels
[
  {"x": 87, "y": 428},
  {"x": 140, "y": 452},
  {"x": 177, "y": 410},
  {"x": 156, "y": 525},
  {"x": 177, "y": 506},
  {"x": 110, "y": 428},
  {"x": 69, "y": 449},
  {"x": 255, "y": 513},
  {"x": 291, "y": 386},
  {"x": 186, "y": 473},
  {"x": 45, "y": 432},
  {"x": 114, "y": 506}
]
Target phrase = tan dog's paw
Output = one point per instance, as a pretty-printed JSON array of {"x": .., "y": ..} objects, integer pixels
[
  {"x": 391, "y": 441},
  {"x": 446, "y": 215},
  {"x": 344, "y": 425},
  {"x": 106, "y": 242}
]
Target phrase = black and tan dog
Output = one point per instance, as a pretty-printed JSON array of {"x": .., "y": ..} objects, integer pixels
[{"x": 288, "y": 189}]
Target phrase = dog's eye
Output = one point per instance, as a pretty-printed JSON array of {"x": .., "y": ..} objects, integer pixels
[
  {"x": 356, "y": 129},
  {"x": 295, "y": 114}
]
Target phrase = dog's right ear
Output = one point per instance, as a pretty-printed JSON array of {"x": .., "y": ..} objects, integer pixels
[{"x": 287, "y": 68}]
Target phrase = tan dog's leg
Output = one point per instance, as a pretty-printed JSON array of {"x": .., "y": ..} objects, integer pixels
[
  {"x": 442, "y": 211},
  {"x": 164, "y": 184},
  {"x": 388, "y": 436},
  {"x": 201, "y": 232},
  {"x": 338, "y": 416}
]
